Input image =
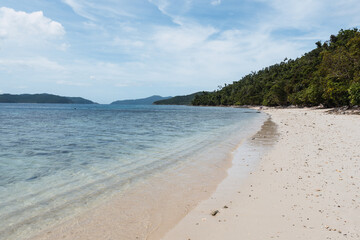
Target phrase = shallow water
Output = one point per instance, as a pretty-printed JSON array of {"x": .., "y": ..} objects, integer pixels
[{"x": 57, "y": 159}]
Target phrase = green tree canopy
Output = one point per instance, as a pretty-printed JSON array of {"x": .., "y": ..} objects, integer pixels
[{"x": 328, "y": 75}]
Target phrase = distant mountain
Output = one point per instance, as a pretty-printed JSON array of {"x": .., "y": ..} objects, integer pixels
[
  {"x": 42, "y": 98},
  {"x": 80, "y": 100},
  {"x": 142, "y": 101},
  {"x": 179, "y": 100}
]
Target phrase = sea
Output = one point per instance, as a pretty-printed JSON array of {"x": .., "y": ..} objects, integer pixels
[{"x": 57, "y": 159}]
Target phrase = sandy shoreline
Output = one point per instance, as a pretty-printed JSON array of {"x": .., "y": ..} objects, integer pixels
[
  {"x": 306, "y": 187},
  {"x": 151, "y": 208}
]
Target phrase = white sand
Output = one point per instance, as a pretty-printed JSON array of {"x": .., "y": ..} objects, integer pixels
[{"x": 305, "y": 187}]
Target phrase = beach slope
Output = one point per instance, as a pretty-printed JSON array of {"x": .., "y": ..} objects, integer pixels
[{"x": 307, "y": 186}]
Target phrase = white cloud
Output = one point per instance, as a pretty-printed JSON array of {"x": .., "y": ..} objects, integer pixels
[
  {"x": 72, "y": 83},
  {"x": 33, "y": 63},
  {"x": 64, "y": 46},
  {"x": 20, "y": 25},
  {"x": 30, "y": 44},
  {"x": 161, "y": 5},
  {"x": 79, "y": 8},
  {"x": 317, "y": 17},
  {"x": 91, "y": 9},
  {"x": 123, "y": 42},
  {"x": 173, "y": 9},
  {"x": 222, "y": 58},
  {"x": 215, "y": 2},
  {"x": 304, "y": 14},
  {"x": 182, "y": 37}
]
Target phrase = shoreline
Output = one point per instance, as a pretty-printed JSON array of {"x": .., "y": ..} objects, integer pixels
[
  {"x": 125, "y": 216},
  {"x": 305, "y": 187}
]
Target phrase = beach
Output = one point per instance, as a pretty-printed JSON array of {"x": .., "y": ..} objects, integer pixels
[
  {"x": 179, "y": 120},
  {"x": 178, "y": 164},
  {"x": 296, "y": 178},
  {"x": 307, "y": 186}
]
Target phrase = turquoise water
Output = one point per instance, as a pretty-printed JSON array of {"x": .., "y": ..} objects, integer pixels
[{"x": 59, "y": 157}]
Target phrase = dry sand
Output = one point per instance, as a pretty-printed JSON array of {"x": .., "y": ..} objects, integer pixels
[{"x": 305, "y": 187}]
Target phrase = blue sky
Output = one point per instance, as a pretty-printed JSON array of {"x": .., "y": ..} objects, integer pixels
[{"x": 121, "y": 49}]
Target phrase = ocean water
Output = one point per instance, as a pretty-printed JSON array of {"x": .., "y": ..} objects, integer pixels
[{"x": 57, "y": 159}]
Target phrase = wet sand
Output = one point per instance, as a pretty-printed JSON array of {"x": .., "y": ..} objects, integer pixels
[
  {"x": 146, "y": 211},
  {"x": 306, "y": 187}
]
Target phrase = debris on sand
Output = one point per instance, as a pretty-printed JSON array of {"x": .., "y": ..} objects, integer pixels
[{"x": 213, "y": 213}]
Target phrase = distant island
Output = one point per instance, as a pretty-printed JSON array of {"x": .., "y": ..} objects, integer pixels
[
  {"x": 179, "y": 100},
  {"x": 328, "y": 75},
  {"x": 42, "y": 98},
  {"x": 141, "y": 101}
]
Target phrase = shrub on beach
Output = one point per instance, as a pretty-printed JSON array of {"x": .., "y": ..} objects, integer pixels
[{"x": 354, "y": 92}]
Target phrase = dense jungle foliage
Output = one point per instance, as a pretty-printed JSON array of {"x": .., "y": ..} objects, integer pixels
[
  {"x": 328, "y": 75},
  {"x": 178, "y": 100}
]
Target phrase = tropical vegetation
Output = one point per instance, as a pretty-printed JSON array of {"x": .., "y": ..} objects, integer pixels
[{"x": 328, "y": 75}]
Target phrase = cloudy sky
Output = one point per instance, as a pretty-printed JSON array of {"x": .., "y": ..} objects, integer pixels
[{"x": 124, "y": 49}]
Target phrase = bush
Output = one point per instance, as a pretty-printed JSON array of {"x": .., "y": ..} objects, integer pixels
[{"x": 354, "y": 92}]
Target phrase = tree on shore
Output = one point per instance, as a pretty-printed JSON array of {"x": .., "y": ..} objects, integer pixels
[{"x": 328, "y": 75}]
